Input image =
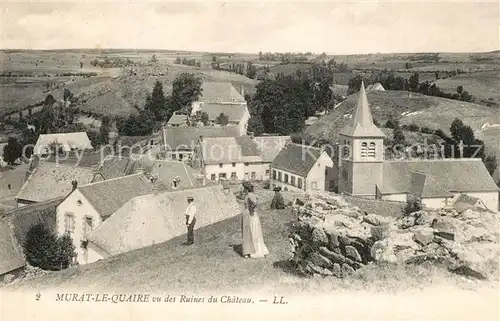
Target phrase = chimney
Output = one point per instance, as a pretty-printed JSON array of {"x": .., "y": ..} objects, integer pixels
[{"x": 75, "y": 185}]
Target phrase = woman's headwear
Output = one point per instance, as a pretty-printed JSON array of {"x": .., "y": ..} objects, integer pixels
[{"x": 190, "y": 198}]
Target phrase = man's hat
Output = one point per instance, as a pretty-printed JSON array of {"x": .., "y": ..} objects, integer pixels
[{"x": 190, "y": 198}]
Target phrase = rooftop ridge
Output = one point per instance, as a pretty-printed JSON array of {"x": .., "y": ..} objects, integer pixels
[{"x": 111, "y": 179}]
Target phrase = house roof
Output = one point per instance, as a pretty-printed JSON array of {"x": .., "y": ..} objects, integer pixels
[
  {"x": 13, "y": 177},
  {"x": 10, "y": 251},
  {"x": 296, "y": 159},
  {"x": 216, "y": 150},
  {"x": 24, "y": 217},
  {"x": 78, "y": 140},
  {"x": 156, "y": 218},
  {"x": 113, "y": 167},
  {"x": 361, "y": 124},
  {"x": 187, "y": 137},
  {"x": 109, "y": 195},
  {"x": 270, "y": 146},
  {"x": 50, "y": 180},
  {"x": 375, "y": 86},
  {"x": 339, "y": 90},
  {"x": 177, "y": 119},
  {"x": 215, "y": 92},
  {"x": 166, "y": 171},
  {"x": 86, "y": 159},
  {"x": 440, "y": 177},
  {"x": 234, "y": 112}
]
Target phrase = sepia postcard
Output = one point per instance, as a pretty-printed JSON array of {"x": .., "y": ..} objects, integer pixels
[{"x": 249, "y": 160}]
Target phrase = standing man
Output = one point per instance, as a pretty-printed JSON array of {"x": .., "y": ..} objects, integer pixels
[{"x": 190, "y": 220}]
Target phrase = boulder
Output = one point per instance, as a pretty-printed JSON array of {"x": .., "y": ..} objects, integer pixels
[
  {"x": 319, "y": 236},
  {"x": 353, "y": 253},
  {"x": 445, "y": 224},
  {"x": 380, "y": 232},
  {"x": 332, "y": 256},
  {"x": 404, "y": 255},
  {"x": 423, "y": 218},
  {"x": 407, "y": 222},
  {"x": 319, "y": 260},
  {"x": 336, "y": 271},
  {"x": 382, "y": 252},
  {"x": 469, "y": 215},
  {"x": 7, "y": 278},
  {"x": 375, "y": 219},
  {"x": 423, "y": 235},
  {"x": 347, "y": 270},
  {"x": 333, "y": 239}
]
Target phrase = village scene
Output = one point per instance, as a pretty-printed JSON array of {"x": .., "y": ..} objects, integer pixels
[{"x": 291, "y": 171}]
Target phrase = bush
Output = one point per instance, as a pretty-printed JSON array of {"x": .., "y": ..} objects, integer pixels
[
  {"x": 426, "y": 130},
  {"x": 45, "y": 250},
  {"x": 413, "y": 128},
  {"x": 412, "y": 205}
]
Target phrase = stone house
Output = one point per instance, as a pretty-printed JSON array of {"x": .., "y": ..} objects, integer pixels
[{"x": 67, "y": 142}]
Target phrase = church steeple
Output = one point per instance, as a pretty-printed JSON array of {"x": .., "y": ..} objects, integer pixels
[{"x": 361, "y": 124}]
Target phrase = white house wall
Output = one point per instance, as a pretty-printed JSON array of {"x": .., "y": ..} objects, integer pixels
[
  {"x": 94, "y": 253},
  {"x": 240, "y": 169},
  {"x": 395, "y": 197},
  {"x": 80, "y": 212},
  {"x": 317, "y": 173},
  {"x": 281, "y": 183},
  {"x": 490, "y": 199}
]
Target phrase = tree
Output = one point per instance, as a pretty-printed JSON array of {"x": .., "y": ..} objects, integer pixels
[
  {"x": 255, "y": 125},
  {"x": 67, "y": 94},
  {"x": 414, "y": 82},
  {"x": 81, "y": 64},
  {"x": 214, "y": 59},
  {"x": 355, "y": 84},
  {"x": 490, "y": 162},
  {"x": 138, "y": 125},
  {"x": 186, "y": 89},
  {"x": 222, "y": 119},
  {"x": 412, "y": 205},
  {"x": 201, "y": 117},
  {"x": 12, "y": 151},
  {"x": 399, "y": 136},
  {"x": 178, "y": 60},
  {"x": 104, "y": 129},
  {"x": 44, "y": 250},
  {"x": 154, "y": 59},
  {"x": 156, "y": 103},
  {"x": 460, "y": 89}
]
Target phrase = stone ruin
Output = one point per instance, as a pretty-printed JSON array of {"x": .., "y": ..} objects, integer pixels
[{"x": 333, "y": 238}]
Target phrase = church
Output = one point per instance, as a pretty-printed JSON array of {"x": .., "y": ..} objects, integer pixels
[{"x": 363, "y": 171}]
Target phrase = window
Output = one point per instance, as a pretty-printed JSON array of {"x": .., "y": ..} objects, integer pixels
[
  {"x": 88, "y": 225},
  {"x": 346, "y": 151},
  {"x": 222, "y": 175},
  {"x": 233, "y": 175},
  {"x": 234, "y": 164},
  {"x": 286, "y": 178},
  {"x": 292, "y": 180},
  {"x": 69, "y": 223},
  {"x": 371, "y": 150},
  {"x": 299, "y": 182},
  {"x": 212, "y": 177},
  {"x": 79, "y": 202},
  {"x": 267, "y": 172},
  {"x": 274, "y": 174},
  {"x": 181, "y": 156},
  {"x": 364, "y": 147},
  {"x": 246, "y": 164},
  {"x": 220, "y": 165},
  {"x": 279, "y": 176},
  {"x": 253, "y": 175},
  {"x": 174, "y": 156},
  {"x": 314, "y": 185}
]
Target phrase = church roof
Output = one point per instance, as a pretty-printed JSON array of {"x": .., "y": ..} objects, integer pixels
[{"x": 361, "y": 124}]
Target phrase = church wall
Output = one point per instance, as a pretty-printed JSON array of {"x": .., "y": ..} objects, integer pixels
[{"x": 364, "y": 178}]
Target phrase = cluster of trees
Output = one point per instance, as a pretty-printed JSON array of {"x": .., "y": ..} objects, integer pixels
[
  {"x": 45, "y": 250},
  {"x": 187, "y": 62},
  {"x": 108, "y": 63},
  {"x": 247, "y": 69},
  {"x": 285, "y": 58},
  {"x": 390, "y": 81},
  {"x": 186, "y": 88}
]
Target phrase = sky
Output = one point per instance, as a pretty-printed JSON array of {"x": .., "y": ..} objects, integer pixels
[{"x": 341, "y": 27}]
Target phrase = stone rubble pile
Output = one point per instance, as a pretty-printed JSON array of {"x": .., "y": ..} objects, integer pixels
[
  {"x": 29, "y": 272},
  {"x": 333, "y": 238}
]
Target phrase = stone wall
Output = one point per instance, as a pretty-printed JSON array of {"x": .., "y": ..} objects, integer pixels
[{"x": 332, "y": 237}]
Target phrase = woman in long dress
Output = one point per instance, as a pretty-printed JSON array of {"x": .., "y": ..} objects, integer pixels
[{"x": 253, "y": 241}]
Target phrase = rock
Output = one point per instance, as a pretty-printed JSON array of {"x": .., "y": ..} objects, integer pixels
[
  {"x": 353, "y": 253},
  {"x": 333, "y": 240},
  {"x": 407, "y": 222},
  {"x": 336, "y": 271},
  {"x": 380, "y": 232},
  {"x": 319, "y": 236},
  {"x": 383, "y": 252},
  {"x": 315, "y": 269},
  {"x": 351, "y": 213},
  {"x": 402, "y": 239},
  {"x": 469, "y": 272},
  {"x": 375, "y": 219},
  {"x": 469, "y": 214},
  {"x": 319, "y": 260},
  {"x": 404, "y": 255},
  {"x": 444, "y": 224},
  {"x": 423, "y": 235},
  {"x": 8, "y": 278},
  {"x": 347, "y": 270},
  {"x": 435, "y": 249},
  {"x": 423, "y": 218},
  {"x": 335, "y": 257},
  {"x": 445, "y": 235}
]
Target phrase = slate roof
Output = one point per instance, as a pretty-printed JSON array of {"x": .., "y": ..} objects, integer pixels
[
  {"x": 24, "y": 217},
  {"x": 85, "y": 159},
  {"x": 109, "y": 195},
  {"x": 376, "y": 86},
  {"x": 229, "y": 150},
  {"x": 166, "y": 171},
  {"x": 113, "y": 167},
  {"x": 234, "y": 112},
  {"x": 187, "y": 137},
  {"x": 270, "y": 146},
  {"x": 10, "y": 250},
  {"x": 441, "y": 177},
  {"x": 361, "y": 124},
  {"x": 215, "y": 92},
  {"x": 159, "y": 217},
  {"x": 296, "y": 159},
  {"x": 49, "y": 180},
  {"x": 78, "y": 140},
  {"x": 177, "y": 119}
]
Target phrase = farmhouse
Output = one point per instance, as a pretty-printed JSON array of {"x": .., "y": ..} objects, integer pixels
[
  {"x": 375, "y": 87},
  {"x": 50, "y": 180},
  {"x": 179, "y": 143},
  {"x": 151, "y": 219},
  {"x": 89, "y": 205},
  {"x": 178, "y": 120},
  {"x": 65, "y": 141},
  {"x": 364, "y": 172},
  {"x": 301, "y": 167}
]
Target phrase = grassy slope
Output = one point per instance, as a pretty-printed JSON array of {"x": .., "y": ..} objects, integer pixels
[
  {"x": 212, "y": 263},
  {"x": 483, "y": 85}
]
